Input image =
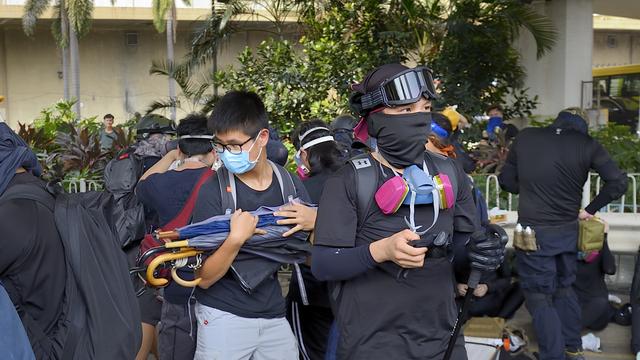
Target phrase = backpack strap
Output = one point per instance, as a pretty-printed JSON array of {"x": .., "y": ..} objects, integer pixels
[
  {"x": 366, "y": 184},
  {"x": 227, "y": 184},
  {"x": 228, "y": 193},
  {"x": 183, "y": 216},
  {"x": 26, "y": 192},
  {"x": 287, "y": 188}
]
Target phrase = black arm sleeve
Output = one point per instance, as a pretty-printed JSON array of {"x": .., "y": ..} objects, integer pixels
[
  {"x": 465, "y": 215},
  {"x": 508, "y": 177},
  {"x": 615, "y": 181},
  {"x": 337, "y": 264}
]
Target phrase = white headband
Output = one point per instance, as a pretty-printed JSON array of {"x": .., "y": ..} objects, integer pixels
[
  {"x": 205, "y": 137},
  {"x": 310, "y": 131},
  {"x": 316, "y": 142}
]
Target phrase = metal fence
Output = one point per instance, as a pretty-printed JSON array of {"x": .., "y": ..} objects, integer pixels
[
  {"x": 82, "y": 185},
  {"x": 496, "y": 197}
]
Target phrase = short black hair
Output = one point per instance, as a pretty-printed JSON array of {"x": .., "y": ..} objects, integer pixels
[
  {"x": 240, "y": 111},
  {"x": 494, "y": 107},
  {"x": 108, "y": 116},
  {"x": 323, "y": 157},
  {"x": 194, "y": 124}
]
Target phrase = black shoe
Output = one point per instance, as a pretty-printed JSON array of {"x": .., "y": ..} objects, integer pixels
[
  {"x": 622, "y": 316},
  {"x": 574, "y": 355}
]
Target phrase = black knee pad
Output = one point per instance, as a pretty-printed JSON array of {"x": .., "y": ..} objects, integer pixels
[{"x": 535, "y": 301}]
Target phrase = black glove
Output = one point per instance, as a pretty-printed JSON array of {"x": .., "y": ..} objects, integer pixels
[{"x": 486, "y": 248}]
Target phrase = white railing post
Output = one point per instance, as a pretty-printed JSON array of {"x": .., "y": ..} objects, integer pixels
[{"x": 586, "y": 192}]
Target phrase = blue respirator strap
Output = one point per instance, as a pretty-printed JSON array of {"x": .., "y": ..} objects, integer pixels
[{"x": 411, "y": 222}]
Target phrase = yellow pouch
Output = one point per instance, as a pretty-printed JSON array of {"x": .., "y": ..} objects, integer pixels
[{"x": 591, "y": 235}]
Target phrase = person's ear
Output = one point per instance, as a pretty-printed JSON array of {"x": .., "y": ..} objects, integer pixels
[{"x": 263, "y": 137}]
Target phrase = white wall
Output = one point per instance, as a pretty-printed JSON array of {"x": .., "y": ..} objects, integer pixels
[{"x": 556, "y": 78}]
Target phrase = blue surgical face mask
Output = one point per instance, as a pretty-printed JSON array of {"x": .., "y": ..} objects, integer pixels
[{"x": 239, "y": 163}]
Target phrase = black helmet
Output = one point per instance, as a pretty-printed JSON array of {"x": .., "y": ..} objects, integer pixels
[
  {"x": 343, "y": 123},
  {"x": 154, "y": 124}
]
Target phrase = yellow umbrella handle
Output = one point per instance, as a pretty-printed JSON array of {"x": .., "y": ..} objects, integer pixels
[
  {"x": 151, "y": 269},
  {"x": 180, "y": 281}
]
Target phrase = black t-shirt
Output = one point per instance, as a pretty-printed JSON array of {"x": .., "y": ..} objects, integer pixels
[
  {"x": 379, "y": 315},
  {"x": 166, "y": 194},
  {"x": 315, "y": 184},
  {"x": 226, "y": 294},
  {"x": 549, "y": 166},
  {"x": 32, "y": 260}
]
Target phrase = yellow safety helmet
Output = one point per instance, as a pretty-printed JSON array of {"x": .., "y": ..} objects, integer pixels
[
  {"x": 1, "y": 98},
  {"x": 453, "y": 116}
]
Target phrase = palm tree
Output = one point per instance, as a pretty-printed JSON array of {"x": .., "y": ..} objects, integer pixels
[
  {"x": 206, "y": 41},
  {"x": 164, "y": 18},
  {"x": 73, "y": 21}
]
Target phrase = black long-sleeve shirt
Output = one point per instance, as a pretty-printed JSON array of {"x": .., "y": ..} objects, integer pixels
[{"x": 548, "y": 168}]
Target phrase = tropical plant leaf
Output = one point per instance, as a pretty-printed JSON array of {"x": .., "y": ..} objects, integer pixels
[
  {"x": 80, "y": 14},
  {"x": 33, "y": 9},
  {"x": 538, "y": 25},
  {"x": 160, "y": 8},
  {"x": 161, "y": 105}
]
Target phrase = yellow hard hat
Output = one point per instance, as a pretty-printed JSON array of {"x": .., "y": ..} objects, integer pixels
[
  {"x": 453, "y": 116},
  {"x": 1, "y": 98}
]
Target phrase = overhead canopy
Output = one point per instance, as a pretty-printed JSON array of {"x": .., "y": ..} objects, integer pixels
[{"x": 623, "y": 8}]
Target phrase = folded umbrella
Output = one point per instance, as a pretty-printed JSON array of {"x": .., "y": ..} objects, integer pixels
[{"x": 259, "y": 257}]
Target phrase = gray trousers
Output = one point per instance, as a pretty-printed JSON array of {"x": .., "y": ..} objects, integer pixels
[
  {"x": 177, "y": 331},
  {"x": 224, "y": 336}
]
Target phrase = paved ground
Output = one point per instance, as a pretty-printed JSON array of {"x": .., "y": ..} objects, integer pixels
[{"x": 615, "y": 339}]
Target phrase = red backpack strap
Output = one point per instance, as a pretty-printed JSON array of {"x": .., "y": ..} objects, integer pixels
[{"x": 183, "y": 216}]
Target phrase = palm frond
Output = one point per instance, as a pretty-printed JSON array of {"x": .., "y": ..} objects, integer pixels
[
  {"x": 33, "y": 9},
  {"x": 209, "y": 37},
  {"x": 80, "y": 14},
  {"x": 161, "y": 105},
  {"x": 159, "y": 9},
  {"x": 56, "y": 27},
  {"x": 538, "y": 25},
  {"x": 181, "y": 73}
]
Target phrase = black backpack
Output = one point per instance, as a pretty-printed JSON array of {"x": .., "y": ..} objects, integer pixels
[
  {"x": 100, "y": 317},
  {"x": 121, "y": 176}
]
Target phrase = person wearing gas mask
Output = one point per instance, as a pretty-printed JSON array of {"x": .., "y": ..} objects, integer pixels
[
  {"x": 384, "y": 223},
  {"x": 496, "y": 124},
  {"x": 548, "y": 168},
  {"x": 318, "y": 156}
]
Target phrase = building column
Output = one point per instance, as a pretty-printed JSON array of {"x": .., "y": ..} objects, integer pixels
[
  {"x": 4, "y": 86},
  {"x": 557, "y": 77}
]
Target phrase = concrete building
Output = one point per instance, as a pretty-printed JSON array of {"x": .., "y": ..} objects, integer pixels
[
  {"x": 116, "y": 55},
  {"x": 115, "y": 58},
  {"x": 616, "y": 41}
]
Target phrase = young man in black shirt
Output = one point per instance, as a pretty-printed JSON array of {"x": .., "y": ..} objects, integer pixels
[
  {"x": 233, "y": 324},
  {"x": 548, "y": 168},
  {"x": 392, "y": 298},
  {"x": 165, "y": 188},
  {"x": 32, "y": 260}
]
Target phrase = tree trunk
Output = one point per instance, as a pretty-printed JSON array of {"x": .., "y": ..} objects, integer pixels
[
  {"x": 64, "y": 30},
  {"x": 215, "y": 70},
  {"x": 170, "y": 58},
  {"x": 75, "y": 69}
]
